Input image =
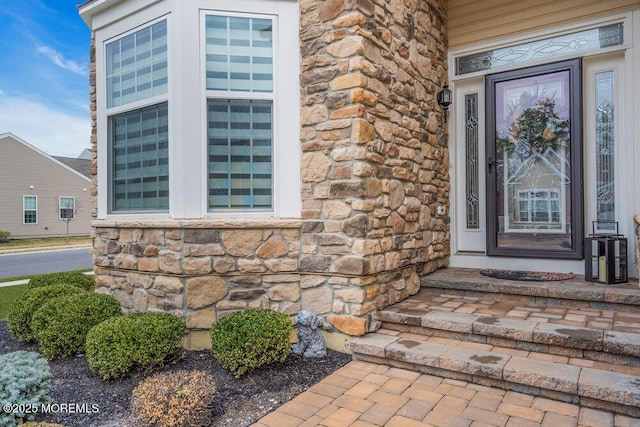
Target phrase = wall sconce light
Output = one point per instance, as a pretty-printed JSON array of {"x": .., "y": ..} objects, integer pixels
[
  {"x": 31, "y": 187},
  {"x": 444, "y": 100}
]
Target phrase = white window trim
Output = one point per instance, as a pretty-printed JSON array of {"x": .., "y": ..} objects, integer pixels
[
  {"x": 187, "y": 108},
  {"x": 24, "y": 210},
  {"x": 105, "y": 181},
  {"x": 624, "y": 18},
  {"x": 286, "y": 106},
  {"x": 73, "y": 208}
]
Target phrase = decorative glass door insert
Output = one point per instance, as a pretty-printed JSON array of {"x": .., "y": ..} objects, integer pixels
[{"x": 534, "y": 155}]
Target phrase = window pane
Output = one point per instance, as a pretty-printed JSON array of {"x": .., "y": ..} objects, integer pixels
[
  {"x": 140, "y": 159},
  {"x": 573, "y": 43},
  {"x": 30, "y": 209},
  {"x": 239, "y": 54},
  {"x": 472, "y": 184},
  {"x": 605, "y": 149},
  {"x": 240, "y": 164},
  {"x": 67, "y": 207},
  {"x": 137, "y": 65}
]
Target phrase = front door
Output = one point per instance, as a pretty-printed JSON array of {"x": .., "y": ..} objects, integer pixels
[
  {"x": 529, "y": 199},
  {"x": 534, "y": 162}
]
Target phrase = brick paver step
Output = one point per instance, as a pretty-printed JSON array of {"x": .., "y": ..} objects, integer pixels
[
  {"x": 576, "y": 292},
  {"x": 597, "y": 386},
  {"x": 593, "y": 334}
]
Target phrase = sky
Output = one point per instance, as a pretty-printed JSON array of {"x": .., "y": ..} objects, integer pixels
[{"x": 44, "y": 75}]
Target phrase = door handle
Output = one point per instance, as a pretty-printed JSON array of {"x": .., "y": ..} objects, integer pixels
[{"x": 490, "y": 164}]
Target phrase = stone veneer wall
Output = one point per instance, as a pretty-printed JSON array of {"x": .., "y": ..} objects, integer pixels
[
  {"x": 374, "y": 168},
  {"x": 375, "y": 158},
  {"x": 196, "y": 272}
]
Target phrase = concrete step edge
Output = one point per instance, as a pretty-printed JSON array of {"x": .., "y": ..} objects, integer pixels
[
  {"x": 561, "y": 291},
  {"x": 588, "y": 383},
  {"x": 572, "y": 337}
]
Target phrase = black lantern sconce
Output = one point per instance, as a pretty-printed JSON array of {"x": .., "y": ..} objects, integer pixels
[
  {"x": 444, "y": 100},
  {"x": 605, "y": 256}
]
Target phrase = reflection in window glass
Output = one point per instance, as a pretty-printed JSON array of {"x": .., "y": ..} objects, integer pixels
[
  {"x": 140, "y": 159},
  {"x": 137, "y": 66},
  {"x": 240, "y": 154}
]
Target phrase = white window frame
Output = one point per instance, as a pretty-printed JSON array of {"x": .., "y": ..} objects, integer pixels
[
  {"x": 188, "y": 186},
  {"x": 127, "y": 108},
  {"x": 24, "y": 210},
  {"x": 286, "y": 196},
  {"x": 73, "y": 208},
  {"x": 108, "y": 26},
  {"x": 244, "y": 95}
]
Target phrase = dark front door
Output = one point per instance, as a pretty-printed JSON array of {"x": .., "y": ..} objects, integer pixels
[{"x": 534, "y": 162}]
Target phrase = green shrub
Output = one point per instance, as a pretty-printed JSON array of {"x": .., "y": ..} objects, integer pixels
[
  {"x": 248, "y": 339},
  {"x": 61, "y": 325},
  {"x": 24, "y": 380},
  {"x": 21, "y": 312},
  {"x": 74, "y": 278},
  {"x": 174, "y": 399},
  {"x": 117, "y": 346},
  {"x": 4, "y": 236}
]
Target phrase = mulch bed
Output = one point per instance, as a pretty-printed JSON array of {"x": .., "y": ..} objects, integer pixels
[{"x": 238, "y": 402}]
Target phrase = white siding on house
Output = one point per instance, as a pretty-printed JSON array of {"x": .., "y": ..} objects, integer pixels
[{"x": 26, "y": 171}]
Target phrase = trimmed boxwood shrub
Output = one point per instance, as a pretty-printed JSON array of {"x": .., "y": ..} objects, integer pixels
[
  {"x": 117, "y": 346},
  {"x": 245, "y": 340},
  {"x": 61, "y": 325},
  {"x": 74, "y": 278},
  {"x": 21, "y": 312},
  {"x": 24, "y": 380}
]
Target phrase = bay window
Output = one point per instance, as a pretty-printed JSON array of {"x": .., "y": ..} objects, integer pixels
[
  {"x": 198, "y": 111},
  {"x": 239, "y": 84},
  {"x": 137, "y": 120}
]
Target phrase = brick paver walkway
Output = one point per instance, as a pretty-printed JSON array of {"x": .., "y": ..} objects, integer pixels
[
  {"x": 581, "y": 317},
  {"x": 365, "y": 394}
]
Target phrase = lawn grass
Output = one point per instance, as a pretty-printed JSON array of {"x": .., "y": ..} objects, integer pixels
[
  {"x": 8, "y": 295},
  {"x": 43, "y": 242}
]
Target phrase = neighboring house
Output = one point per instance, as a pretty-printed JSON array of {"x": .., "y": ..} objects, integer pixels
[
  {"x": 293, "y": 155},
  {"x": 38, "y": 192}
]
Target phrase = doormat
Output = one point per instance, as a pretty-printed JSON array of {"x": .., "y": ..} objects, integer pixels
[{"x": 527, "y": 276}]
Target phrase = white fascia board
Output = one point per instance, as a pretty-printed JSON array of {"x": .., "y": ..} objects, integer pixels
[{"x": 100, "y": 13}]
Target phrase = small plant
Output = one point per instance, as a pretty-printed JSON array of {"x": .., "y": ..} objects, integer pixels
[
  {"x": 74, "y": 278},
  {"x": 61, "y": 325},
  {"x": 24, "y": 382},
  {"x": 174, "y": 399},
  {"x": 4, "y": 236},
  {"x": 246, "y": 340},
  {"x": 22, "y": 311},
  {"x": 117, "y": 346}
]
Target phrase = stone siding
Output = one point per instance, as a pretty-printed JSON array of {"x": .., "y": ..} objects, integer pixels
[
  {"x": 197, "y": 269},
  {"x": 375, "y": 167},
  {"x": 375, "y": 158}
]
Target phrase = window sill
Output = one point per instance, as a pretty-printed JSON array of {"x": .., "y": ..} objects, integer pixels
[{"x": 292, "y": 223}]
